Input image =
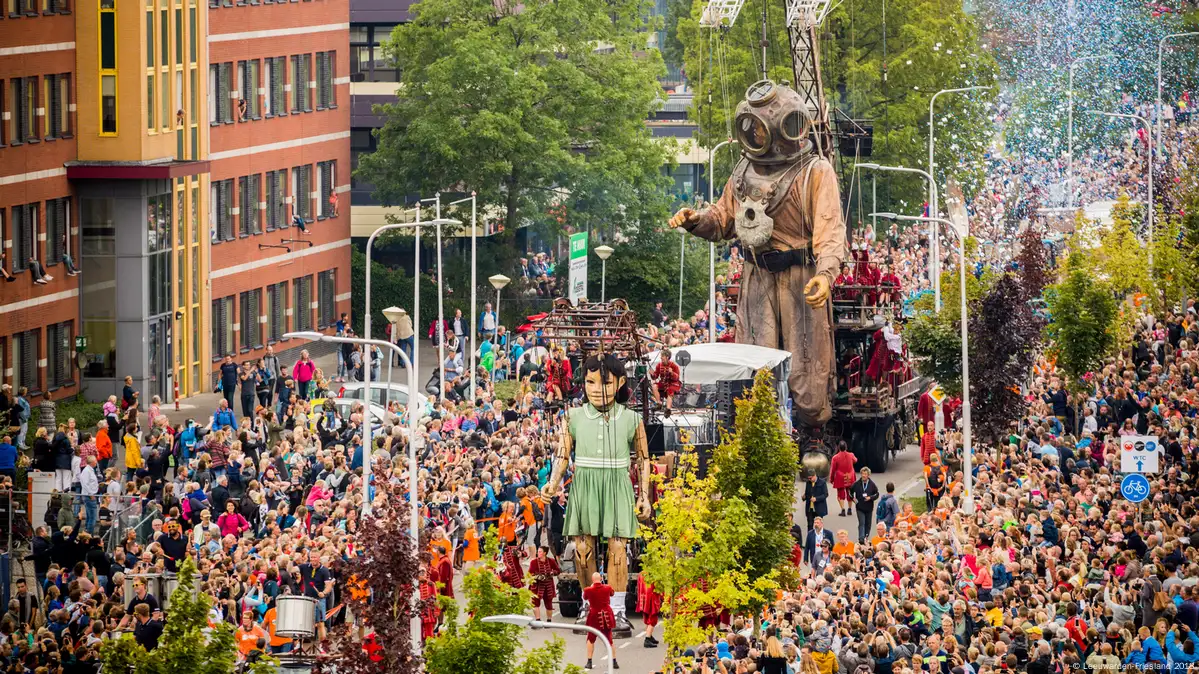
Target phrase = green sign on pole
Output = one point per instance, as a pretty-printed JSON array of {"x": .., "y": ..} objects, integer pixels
[{"x": 578, "y": 267}]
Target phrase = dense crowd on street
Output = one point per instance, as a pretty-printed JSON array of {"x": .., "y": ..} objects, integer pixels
[{"x": 1054, "y": 572}]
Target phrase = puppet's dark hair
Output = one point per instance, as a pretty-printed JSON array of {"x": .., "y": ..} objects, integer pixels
[{"x": 608, "y": 364}]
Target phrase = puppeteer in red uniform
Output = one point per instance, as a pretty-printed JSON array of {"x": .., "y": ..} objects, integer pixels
[
  {"x": 512, "y": 573},
  {"x": 599, "y": 614},
  {"x": 668, "y": 381},
  {"x": 649, "y": 604},
  {"x": 430, "y": 611},
  {"x": 544, "y": 569},
  {"x": 445, "y": 576}
]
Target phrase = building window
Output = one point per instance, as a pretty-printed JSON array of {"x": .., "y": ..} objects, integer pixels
[
  {"x": 251, "y": 328},
  {"x": 301, "y": 192},
  {"x": 275, "y": 100},
  {"x": 150, "y": 102},
  {"x": 58, "y": 223},
  {"x": 368, "y": 60},
  {"x": 302, "y": 315},
  {"x": 325, "y": 91},
  {"x": 108, "y": 105},
  {"x": 25, "y": 228},
  {"x": 221, "y": 210},
  {"x": 301, "y": 74},
  {"x": 276, "y": 200},
  {"x": 276, "y": 318},
  {"x": 326, "y": 172},
  {"x": 326, "y": 292},
  {"x": 60, "y": 343},
  {"x": 247, "y": 200},
  {"x": 149, "y": 38},
  {"x": 222, "y": 327},
  {"x": 25, "y": 355},
  {"x": 58, "y": 7},
  {"x": 24, "y": 104},
  {"x": 247, "y": 79},
  {"x": 220, "y": 92},
  {"x": 18, "y": 7},
  {"x": 58, "y": 120}
]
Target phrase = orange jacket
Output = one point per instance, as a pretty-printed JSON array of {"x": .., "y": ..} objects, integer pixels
[{"x": 103, "y": 445}]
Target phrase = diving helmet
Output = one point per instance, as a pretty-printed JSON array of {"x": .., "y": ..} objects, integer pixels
[{"x": 773, "y": 124}]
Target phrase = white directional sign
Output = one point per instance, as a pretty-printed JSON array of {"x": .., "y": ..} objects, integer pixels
[{"x": 1140, "y": 454}]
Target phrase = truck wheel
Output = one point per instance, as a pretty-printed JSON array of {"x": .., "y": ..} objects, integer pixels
[{"x": 878, "y": 455}]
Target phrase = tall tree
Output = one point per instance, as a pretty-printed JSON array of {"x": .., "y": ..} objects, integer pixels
[
  {"x": 645, "y": 269},
  {"x": 696, "y": 543},
  {"x": 187, "y": 644},
  {"x": 1121, "y": 257},
  {"x": 1004, "y": 335},
  {"x": 528, "y": 104},
  {"x": 1083, "y": 314},
  {"x": 759, "y": 459},
  {"x": 929, "y": 45}
]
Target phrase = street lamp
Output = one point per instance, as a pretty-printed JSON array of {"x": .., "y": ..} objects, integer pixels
[
  {"x": 934, "y": 278},
  {"x": 367, "y": 426},
  {"x": 498, "y": 281},
  {"x": 474, "y": 270},
  {"x": 933, "y": 210},
  {"x": 530, "y": 623},
  {"x": 604, "y": 252},
  {"x": 1149, "y": 208},
  {"x": 1160, "y": 44},
  {"x": 967, "y": 448},
  {"x": 1070, "y": 124},
  {"x": 712, "y": 244}
]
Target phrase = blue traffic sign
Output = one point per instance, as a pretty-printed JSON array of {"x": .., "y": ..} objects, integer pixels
[{"x": 1134, "y": 487}]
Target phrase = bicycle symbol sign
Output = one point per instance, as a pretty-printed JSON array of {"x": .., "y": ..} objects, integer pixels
[{"x": 1134, "y": 487}]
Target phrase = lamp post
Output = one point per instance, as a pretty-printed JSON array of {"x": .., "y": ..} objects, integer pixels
[
  {"x": 604, "y": 252},
  {"x": 474, "y": 270},
  {"x": 682, "y": 256},
  {"x": 967, "y": 446},
  {"x": 1070, "y": 125},
  {"x": 1149, "y": 208},
  {"x": 498, "y": 281},
  {"x": 712, "y": 244},
  {"x": 530, "y": 623},
  {"x": 440, "y": 302},
  {"x": 933, "y": 209},
  {"x": 1160, "y": 45},
  {"x": 934, "y": 279}
]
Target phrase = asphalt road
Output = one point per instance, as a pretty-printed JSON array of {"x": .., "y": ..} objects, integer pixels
[{"x": 634, "y": 658}]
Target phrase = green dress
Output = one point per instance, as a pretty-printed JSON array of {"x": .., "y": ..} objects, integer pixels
[{"x": 601, "y": 501}]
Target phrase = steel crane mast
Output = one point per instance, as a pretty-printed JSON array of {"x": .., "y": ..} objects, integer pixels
[{"x": 803, "y": 18}]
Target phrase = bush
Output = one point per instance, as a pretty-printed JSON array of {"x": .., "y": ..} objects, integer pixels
[{"x": 86, "y": 414}]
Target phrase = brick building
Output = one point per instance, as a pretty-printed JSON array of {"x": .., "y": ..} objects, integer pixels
[{"x": 164, "y": 147}]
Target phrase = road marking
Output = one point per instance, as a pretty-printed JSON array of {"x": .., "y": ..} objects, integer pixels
[
  {"x": 640, "y": 634},
  {"x": 625, "y": 644},
  {"x": 603, "y": 658}
]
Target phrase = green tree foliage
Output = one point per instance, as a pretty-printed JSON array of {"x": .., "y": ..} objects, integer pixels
[
  {"x": 1172, "y": 272},
  {"x": 759, "y": 460},
  {"x": 476, "y": 646},
  {"x": 1083, "y": 312},
  {"x": 930, "y": 45},
  {"x": 934, "y": 338},
  {"x": 645, "y": 269},
  {"x": 1004, "y": 336},
  {"x": 186, "y": 646},
  {"x": 1121, "y": 258},
  {"x": 515, "y": 101},
  {"x": 699, "y": 539}
]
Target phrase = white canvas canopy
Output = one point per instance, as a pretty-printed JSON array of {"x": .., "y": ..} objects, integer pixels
[{"x": 711, "y": 363}]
